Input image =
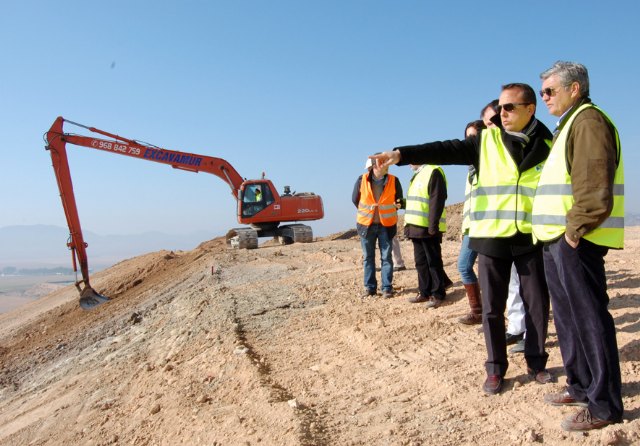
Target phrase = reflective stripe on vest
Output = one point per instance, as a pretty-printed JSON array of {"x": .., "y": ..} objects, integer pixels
[
  {"x": 466, "y": 207},
  {"x": 385, "y": 205},
  {"x": 554, "y": 197},
  {"x": 503, "y": 198},
  {"x": 417, "y": 207}
]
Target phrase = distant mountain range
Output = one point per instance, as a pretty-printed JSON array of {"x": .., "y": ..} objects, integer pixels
[
  {"x": 36, "y": 246},
  {"x": 33, "y": 246},
  {"x": 632, "y": 220}
]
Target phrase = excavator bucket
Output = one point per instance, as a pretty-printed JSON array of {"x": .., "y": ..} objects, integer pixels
[{"x": 89, "y": 299}]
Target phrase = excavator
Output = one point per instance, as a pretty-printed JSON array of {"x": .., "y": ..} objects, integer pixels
[{"x": 258, "y": 202}]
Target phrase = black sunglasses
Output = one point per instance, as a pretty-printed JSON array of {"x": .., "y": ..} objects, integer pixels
[
  {"x": 548, "y": 91},
  {"x": 511, "y": 106}
]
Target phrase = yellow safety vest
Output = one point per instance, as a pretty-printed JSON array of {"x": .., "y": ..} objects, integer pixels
[
  {"x": 417, "y": 207},
  {"x": 386, "y": 204},
  {"x": 554, "y": 197},
  {"x": 466, "y": 207},
  {"x": 503, "y": 199}
]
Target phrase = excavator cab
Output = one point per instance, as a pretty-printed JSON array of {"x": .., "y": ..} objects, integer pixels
[{"x": 255, "y": 198}]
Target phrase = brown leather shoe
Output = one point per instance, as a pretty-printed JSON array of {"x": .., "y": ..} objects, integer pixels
[
  {"x": 471, "y": 319},
  {"x": 542, "y": 377},
  {"x": 418, "y": 299},
  {"x": 563, "y": 399},
  {"x": 493, "y": 384},
  {"x": 583, "y": 420}
]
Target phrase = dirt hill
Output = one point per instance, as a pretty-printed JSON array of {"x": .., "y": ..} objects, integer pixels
[{"x": 274, "y": 346}]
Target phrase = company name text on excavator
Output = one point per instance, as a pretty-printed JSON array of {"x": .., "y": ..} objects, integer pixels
[{"x": 258, "y": 202}]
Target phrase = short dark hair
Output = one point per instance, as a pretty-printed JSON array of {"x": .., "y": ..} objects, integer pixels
[
  {"x": 477, "y": 124},
  {"x": 528, "y": 95},
  {"x": 493, "y": 105}
]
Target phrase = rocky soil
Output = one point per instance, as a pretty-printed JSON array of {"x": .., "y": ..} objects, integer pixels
[{"x": 274, "y": 346}]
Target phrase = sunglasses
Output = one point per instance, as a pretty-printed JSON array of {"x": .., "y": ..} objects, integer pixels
[
  {"x": 548, "y": 91},
  {"x": 510, "y": 106}
]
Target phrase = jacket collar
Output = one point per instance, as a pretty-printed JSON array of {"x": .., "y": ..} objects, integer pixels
[{"x": 565, "y": 117}]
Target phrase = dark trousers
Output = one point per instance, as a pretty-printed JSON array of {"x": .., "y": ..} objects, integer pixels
[
  {"x": 494, "y": 275},
  {"x": 586, "y": 331},
  {"x": 427, "y": 253}
]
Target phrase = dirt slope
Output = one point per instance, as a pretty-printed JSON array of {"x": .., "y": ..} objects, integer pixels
[{"x": 274, "y": 346}]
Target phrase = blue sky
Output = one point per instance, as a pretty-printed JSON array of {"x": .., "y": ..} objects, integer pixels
[{"x": 301, "y": 90}]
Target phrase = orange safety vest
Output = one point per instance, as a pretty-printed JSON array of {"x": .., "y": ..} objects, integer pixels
[{"x": 386, "y": 206}]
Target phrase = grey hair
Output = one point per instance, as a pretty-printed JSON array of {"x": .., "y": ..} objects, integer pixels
[{"x": 568, "y": 73}]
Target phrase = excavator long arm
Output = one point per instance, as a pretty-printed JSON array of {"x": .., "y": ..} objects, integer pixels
[
  {"x": 123, "y": 146},
  {"x": 56, "y": 141}
]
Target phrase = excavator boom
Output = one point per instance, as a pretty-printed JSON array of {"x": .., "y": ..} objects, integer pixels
[{"x": 128, "y": 147}]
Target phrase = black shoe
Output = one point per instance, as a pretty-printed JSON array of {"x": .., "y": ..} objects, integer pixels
[
  {"x": 512, "y": 339},
  {"x": 418, "y": 299},
  {"x": 368, "y": 293},
  {"x": 399, "y": 268},
  {"x": 448, "y": 283}
]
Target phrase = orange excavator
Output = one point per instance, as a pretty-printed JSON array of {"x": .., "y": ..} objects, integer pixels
[{"x": 258, "y": 202}]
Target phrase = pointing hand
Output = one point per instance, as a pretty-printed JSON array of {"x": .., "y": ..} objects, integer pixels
[{"x": 386, "y": 159}]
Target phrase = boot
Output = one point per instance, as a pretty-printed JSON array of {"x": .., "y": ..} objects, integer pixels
[{"x": 475, "y": 315}]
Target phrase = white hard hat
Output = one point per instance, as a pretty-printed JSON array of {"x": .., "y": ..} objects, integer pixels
[{"x": 368, "y": 164}]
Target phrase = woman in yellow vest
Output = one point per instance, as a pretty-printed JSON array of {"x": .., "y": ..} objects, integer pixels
[
  {"x": 467, "y": 256},
  {"x": 376, "y": 194},
  {"x": 578, "y": 212},
  {"x": 425, "y": 220}
]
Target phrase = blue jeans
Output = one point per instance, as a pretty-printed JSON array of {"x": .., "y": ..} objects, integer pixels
[
  {"x": 377, "y": 233},
  {"x": 466, "y": 259}
]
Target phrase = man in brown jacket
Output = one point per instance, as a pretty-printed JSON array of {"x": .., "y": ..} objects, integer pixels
[{"x": 578, "y": 213}]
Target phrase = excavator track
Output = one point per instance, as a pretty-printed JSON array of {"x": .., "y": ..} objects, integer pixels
[
  {"x": 242, "y": 238},
  {"x": 296, "y": 233}
]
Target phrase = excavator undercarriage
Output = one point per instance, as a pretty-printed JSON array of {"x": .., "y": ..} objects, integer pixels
[{"x": 247, "y": 238}]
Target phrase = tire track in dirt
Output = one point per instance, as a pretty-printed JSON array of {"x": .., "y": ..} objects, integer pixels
[{"x": 312, "y": 430}]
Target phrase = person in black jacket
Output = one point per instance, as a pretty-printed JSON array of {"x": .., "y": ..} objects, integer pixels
[
  {"x": 424, "y": 211},
  {"x": 525, "y": 141}
]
